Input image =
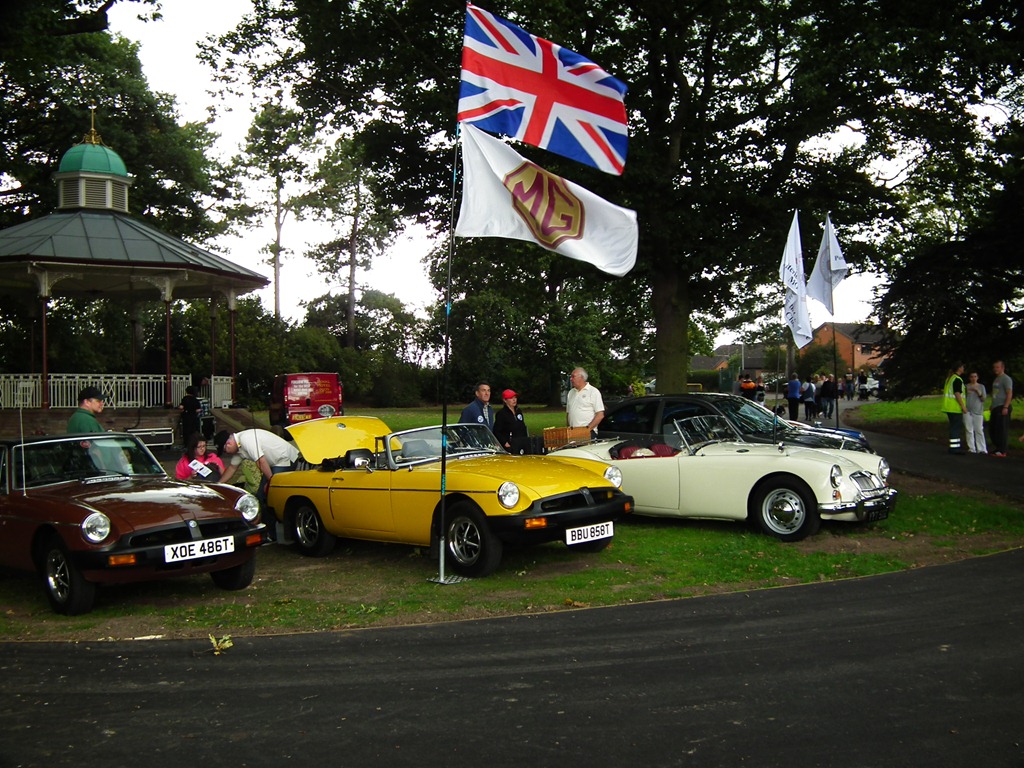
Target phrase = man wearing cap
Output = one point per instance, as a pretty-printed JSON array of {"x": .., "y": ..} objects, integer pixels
[
  {"x": 510, "y": 427},
  {"x": 106, "y": 457},
  {"x": 90, "y": 405}
]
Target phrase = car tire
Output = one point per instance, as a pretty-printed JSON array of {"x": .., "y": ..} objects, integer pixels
[
  {"x": 237, "y": 577},
  {"x": 311, "y": 537},
  {"x": 471, "y": 546},
  {"x": 67, "y": 590},
  {"x": 785, "y": 509}
]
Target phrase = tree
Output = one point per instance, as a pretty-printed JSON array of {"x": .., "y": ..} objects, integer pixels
[
  {"x": 277, "y": 154},
  {"x": 958, "y": 295},
  {"x": 732, "y": 104},
  {"x": 381, "y": 366},
  {"x": 56, "y": 60},
  {"x": 345, "y": 195}
]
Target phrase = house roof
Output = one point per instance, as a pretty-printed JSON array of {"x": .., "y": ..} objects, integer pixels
[
  {"x": 753, "y": 354},
  {"x": 862, "y": 333}
]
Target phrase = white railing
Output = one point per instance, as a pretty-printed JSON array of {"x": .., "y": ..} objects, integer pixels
[{"x": 122, "y": 390}]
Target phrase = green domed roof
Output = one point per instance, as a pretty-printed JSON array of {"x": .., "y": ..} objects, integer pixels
[{"x": 94, "y": 158}]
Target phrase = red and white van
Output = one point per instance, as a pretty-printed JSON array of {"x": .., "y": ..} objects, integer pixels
[{"x": 304, "y": 396}]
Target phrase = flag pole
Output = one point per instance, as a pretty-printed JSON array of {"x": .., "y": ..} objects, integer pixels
[
  {"x": 832, "y": 322},
  {"x": 442, "y": 521}
]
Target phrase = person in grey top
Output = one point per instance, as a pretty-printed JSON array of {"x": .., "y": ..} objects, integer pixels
[
  {"x": 1002, "y": 409},
  {"x": 974, "y": 419}
]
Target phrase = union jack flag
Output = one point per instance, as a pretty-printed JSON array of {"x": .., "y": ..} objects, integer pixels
[{"x": 523, "y": 86}]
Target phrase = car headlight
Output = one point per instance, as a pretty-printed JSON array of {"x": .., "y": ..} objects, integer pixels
[
  {"x": 508, "y": 494},
  {"x": 96, "y": 527},
  {"x": 249, "y": 506},
  {"x": 614, "y": 476},
  {"x": 883, "y": 470},
  {"x": 836, "y": 475}
]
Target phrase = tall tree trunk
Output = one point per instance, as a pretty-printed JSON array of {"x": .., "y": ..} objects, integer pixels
[
  {"x": 353, "y": 250},
  {"x": 671, "y": 301},
  {"x": 279, "y": 214}
]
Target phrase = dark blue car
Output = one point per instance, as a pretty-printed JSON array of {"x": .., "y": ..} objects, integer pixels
[{"x": 652, "y": 416}]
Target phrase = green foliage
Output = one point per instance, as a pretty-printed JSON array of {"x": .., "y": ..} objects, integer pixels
[
  {"x": 733, "y": 106},
  {"x": 708, "y": 380},
  {"x": 56, "y": 60},
  {"x": 818, "y": 359},
  {"x": 960, "y": 294}
]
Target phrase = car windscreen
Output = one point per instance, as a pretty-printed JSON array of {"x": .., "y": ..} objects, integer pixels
[
  {"x": 417, "y": 446},
  {"x": 81, "y": 457},
  {"x": 750, "y": 418},
  {"x": 698, "y": 431}
]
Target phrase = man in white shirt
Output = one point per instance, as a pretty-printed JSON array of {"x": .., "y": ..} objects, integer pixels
[
  {"x": 271, "y": 453},
  {"x": 584, "y": 406}
]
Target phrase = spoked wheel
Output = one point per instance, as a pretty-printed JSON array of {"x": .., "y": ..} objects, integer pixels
[
  {"x": 786, "y": 510},
  {"x": 472, "y": 547},
  {"x": 67, "y": 590},
  {"x": 310, "y": 535}
]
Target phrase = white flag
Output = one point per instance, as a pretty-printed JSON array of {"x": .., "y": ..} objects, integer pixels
[
  {"x": 829, "y": 269},
  {"x": 505, "y": 195},
  {"x": 791, "y": 271}
]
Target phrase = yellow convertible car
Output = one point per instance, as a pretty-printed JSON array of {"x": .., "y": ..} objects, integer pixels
[{"x": 369, "y": 483}]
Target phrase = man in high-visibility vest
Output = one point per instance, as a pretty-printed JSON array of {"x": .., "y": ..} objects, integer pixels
[{"x": 954, "y": 406}]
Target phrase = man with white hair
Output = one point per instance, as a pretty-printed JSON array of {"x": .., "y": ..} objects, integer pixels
[{"x": 583, "y": 405}]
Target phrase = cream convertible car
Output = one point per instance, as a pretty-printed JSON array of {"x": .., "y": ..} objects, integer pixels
[
  {"x": 369, "y": 483},
  {"x": 710, "y": 473}
]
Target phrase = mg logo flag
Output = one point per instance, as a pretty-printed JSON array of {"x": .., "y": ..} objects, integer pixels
[{"x": 505, "y": 195}]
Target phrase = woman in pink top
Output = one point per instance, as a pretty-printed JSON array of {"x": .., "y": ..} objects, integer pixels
[{"x": 197, "y": 464}]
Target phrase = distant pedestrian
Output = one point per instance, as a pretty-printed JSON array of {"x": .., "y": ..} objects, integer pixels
[
  {"x": 793, "y": 396},
  {"x": 974, "y": 419},
  {"x": 954, "y": 407},
  {"x": 1002, "y": 409},
  {"x": 747, "y": 386},
  {"x": 807, "y": 395},
  {"x": 828, "y": 397},
  {"x": 191, "y": 409}
]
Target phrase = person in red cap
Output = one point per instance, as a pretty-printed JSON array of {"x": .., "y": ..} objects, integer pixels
[{"x": 510, "y": 427}]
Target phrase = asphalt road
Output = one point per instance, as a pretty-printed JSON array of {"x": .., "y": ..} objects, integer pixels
[{"x": 923, "y": 668}]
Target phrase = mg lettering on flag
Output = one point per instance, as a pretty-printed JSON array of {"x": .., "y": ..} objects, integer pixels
[{"x": 549, "y": 208}]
